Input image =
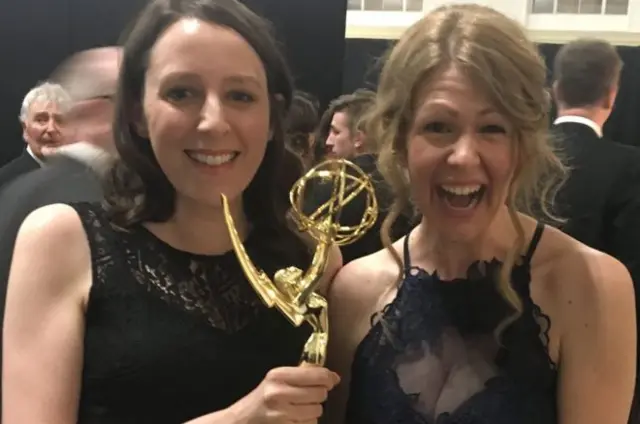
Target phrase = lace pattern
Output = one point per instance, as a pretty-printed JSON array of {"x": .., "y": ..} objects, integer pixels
[
  {"x": 171, "y": 336},
  {"x": 432, "y": 356},
  {"x": 203, "y": 285}
]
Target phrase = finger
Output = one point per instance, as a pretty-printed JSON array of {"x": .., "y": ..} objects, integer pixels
[
  {"x": 279, "y": 394},
  {"x": 307, "y": 395},
  {"x": 305, "y": 376},
  {"x": 305, "y": 413}
]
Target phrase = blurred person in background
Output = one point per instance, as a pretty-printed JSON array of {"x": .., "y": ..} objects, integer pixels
[
  {"x": 73, "y": 171},
  {"x": 302, "y": 122},
  {"x": 41, "y": 119}
]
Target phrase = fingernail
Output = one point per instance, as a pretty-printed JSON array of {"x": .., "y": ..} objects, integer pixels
[{"x": 336, "y": 377}]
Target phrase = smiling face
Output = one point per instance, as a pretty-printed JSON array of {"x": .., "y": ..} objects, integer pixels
[
  {"x": 461, "y": 157},
  {"x": 206, "y": 110}
]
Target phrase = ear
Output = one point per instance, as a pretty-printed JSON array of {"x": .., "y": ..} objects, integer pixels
[
  {"x": 610, "y": 98},
  {"x": 359, "y": 139},
  {"x": 554, "y": 91},
  {"x": 25, "y": 136}
]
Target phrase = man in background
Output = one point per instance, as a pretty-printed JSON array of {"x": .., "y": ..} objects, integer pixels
[
  {"x": 346, "y": 138},
  {"x": 41, "y": 120},
  {"x": 601, "y": 198},
  {"x": 73, "y": 172}
]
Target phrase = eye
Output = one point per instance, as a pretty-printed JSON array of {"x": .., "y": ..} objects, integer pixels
[
  {"x": 241, "y": 96},
  {"x": 438, "y": 127},
  {"x": 178, "y": 94},
  {"x": 493, "y": 129}
]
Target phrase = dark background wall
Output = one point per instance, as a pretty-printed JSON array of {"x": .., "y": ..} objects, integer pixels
[
  {"x": 361, "y": 68},
  {"x": 36, "y": 35}
]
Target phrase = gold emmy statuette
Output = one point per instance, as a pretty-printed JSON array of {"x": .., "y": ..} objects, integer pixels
[{"x": 292, "y": 290}]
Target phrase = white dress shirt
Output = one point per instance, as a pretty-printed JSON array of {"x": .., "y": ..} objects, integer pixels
[{"x": 579, "y": 120}]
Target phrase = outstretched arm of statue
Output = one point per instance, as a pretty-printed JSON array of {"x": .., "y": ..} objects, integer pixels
[{"x": 317, "y": 316}]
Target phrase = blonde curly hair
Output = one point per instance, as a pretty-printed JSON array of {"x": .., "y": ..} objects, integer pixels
[{"x": 494, "y": 52}]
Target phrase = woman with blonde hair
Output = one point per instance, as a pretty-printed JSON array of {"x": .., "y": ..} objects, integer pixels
[{"x": 481, "y": 314}]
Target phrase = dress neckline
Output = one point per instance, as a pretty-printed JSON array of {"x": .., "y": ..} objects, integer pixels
[
  {"x": 151, "y": 237},
  {"x": 476, "y": 267}
]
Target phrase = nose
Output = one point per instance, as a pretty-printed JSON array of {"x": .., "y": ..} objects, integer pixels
[
  {"x": 464, "y": 151},
  {"x": 212, "y": 117},
  {"x": 52, "y": 126}
]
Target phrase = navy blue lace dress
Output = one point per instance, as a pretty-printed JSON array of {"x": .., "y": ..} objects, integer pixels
[{"x": 432, "y": 357}]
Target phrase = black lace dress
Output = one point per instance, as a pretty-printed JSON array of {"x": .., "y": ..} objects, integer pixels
[
  {"x": 432, "y": 357},
  {"x": 171, "y": 336}
]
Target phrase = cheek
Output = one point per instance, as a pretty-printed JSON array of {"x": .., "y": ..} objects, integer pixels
[
  {"x": 168, "y": 127},
  {"x": 34, "y": 130},
  {"x": 501, "y": 165},
  {"x": 252, "y": 130},
  {"x": 421, "y": 160}
]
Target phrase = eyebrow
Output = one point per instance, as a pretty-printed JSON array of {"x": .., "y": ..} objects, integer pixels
[
  {"x": 237, "y": 79},
  {"x": 244, "y": 79},
  {"x": 453, "y": 112}
]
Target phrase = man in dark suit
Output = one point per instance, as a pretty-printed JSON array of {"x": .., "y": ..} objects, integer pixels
[
  {"x": 343, "y": 126},
  {"x": 72, "y": 172},
  {"x": 601, "y": 198},
  {"x": 40, "y": 116}
]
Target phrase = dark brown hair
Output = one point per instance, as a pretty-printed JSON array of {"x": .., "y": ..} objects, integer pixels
[
  {"x": 137, "y": 189},
  {"x": 585, "y": 71},
  {"x": 356, "y": 105},
  {"x": 302, "y": 122}
]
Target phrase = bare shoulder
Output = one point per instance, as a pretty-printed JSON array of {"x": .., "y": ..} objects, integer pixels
[
  {"x": 584, "y": 277},
  {"x": 366, "y": 279},
  {"x": 591, "y": 299},
  {"x": 51, "y": 224},
  {"x": 334, "y": 263},
  {"x": 51, "y": 245}
]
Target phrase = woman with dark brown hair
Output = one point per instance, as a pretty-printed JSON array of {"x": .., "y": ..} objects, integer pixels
[{"x": 138, "y": 311}]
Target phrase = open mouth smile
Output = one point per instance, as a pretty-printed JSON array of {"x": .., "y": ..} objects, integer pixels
[{"x": 459, "y": 197}]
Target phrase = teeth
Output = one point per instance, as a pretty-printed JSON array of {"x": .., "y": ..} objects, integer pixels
[
  {"x": 212, "y": 160},
  {"x": 461, "y": 190}
]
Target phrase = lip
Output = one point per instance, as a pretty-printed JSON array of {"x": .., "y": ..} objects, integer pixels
[
  {"x": 461, "y": 183},
  {"x": 211, "y": 152},
  {"x": 460, "y": 213},
  {"x": 211, "y": 169}
]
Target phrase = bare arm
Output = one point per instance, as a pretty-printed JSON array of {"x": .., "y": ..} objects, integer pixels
[
  {"x": 352, "y": 297},
  {"x": 598, "y": 343},
  {"x": 44, "y": 319}
]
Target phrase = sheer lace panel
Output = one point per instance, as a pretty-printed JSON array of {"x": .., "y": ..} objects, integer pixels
[{"x": 433, "y": 356}]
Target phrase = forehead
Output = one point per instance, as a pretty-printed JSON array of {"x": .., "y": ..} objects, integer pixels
[
  {"x": 340, "y": 119},
  {"x": 453, "y": 88},
  {"x": 39, "y": 107},
  {"x": 205, "y": 49}
]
